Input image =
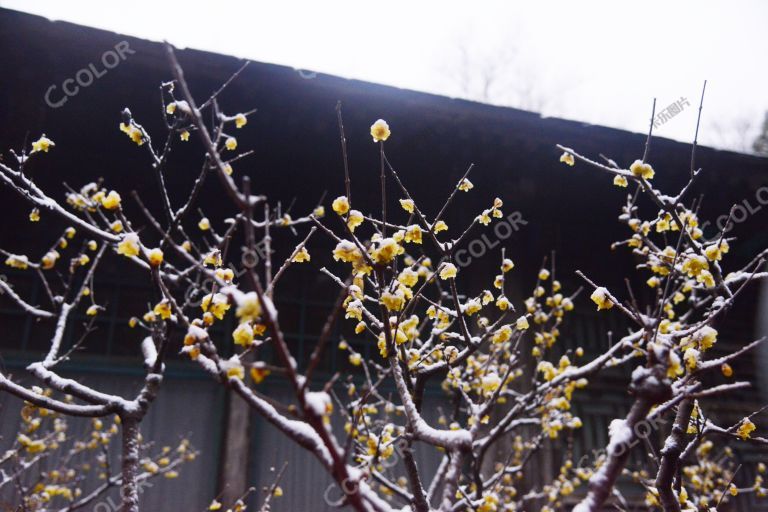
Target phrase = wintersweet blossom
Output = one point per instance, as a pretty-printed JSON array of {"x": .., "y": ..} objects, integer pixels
[
  {"x": 354, "y": 220},
  {"x": 439, "y": 226},
  {"x": 129, "y": 246},
  {"x": 259, "y": 372},
  {"x": 230, "y": 143},
  {"x": 18, "y": 262},
  {"x": 620, "y": 181},
  {"x": 34, "y": 215},
  {"x": 243, "y": 335},
  {"x": 204, "y": 224},
  {"x": 233, "y": 368},
  {"x": 567, "y": 158},
  {"x": 302, "y": 256},
  {"x": 216, "y": 304},
  {"x": 240, "y": 120},
  {"x": 42, "y": 144},
  {"x": 642, "y": 170},
  {"x": 448, "y": 271},
  {"x": 155, "y": 257},
  {"x": 163, "y": 309},
  {"x": 601, "y": 298},
  {"x": 340, "y": 205},
  {"x": 490, "y": 382},
  {"x": 133, "y": 132},
  {"x": 407, "y": 205},
  {"x": 111, "y": 201},
  {"x": 465, "y": 185},
  {"x": 745, "y": 429},
  {"x": 248, "y": 306},
  {"x": 380, "y": 131}
]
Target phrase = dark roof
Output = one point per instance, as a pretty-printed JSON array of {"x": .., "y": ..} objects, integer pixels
[{"x": 295, "y": 139}]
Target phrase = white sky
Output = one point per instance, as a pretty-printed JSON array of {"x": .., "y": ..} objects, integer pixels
[{"x": 601, "y": 62}]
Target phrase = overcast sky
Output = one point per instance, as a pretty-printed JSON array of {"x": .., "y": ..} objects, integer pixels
[{"x": 601, "y": 62}]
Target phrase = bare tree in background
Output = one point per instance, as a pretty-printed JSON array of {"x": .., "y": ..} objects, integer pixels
[{"x": 760, "y": 145}]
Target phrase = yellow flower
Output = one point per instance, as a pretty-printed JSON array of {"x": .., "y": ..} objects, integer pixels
[
  {"x": 215, "y": 304},
  {"x": 240, "y": 120},
  {"x": 439, "y": 226},
  {"x": 133, "y": 132},
  {"x": 715, "y": 252},
  {"x": 277, "y": 492},
  {"x": 31, "y": 446},
  {"x": 490, "y": 383},
  {"x": 49, "y": 260},
  {"x": 355, "y": 359},
  {"x": 641, "y": 170},
  {"x": 83, "y": 260},
  {"x": 301, "y": 256},
  {"x": 116, "y": 226},
  {"x": 259, "y": 372},
  {"x": 34, "y": 215},
  {"x": 380, "y": 131},
  {"x": 746, "y": 428},
  {"x": 92, "y": 310},
  {"x": 248, "y": 307},
  {"x": 726, "y": 369},
  {"x": 184, "y": 136},
  {"x": 393, "y": 301},
  {"x": 386, "y": 251},
  {"x": 601, "y": 298},
  {"x": 620, "y": 181},
  {"x": 413, "y": 234},
  {"x": 360, "y": 327},
  {"x": 231, "y": 143},
  {"x": 319, "y": 211},
  {"x": 407, "y": 205},
  {"x": 111, "y": 201},
  {"x": 204, "y": 224},
  {"x": 243, "y": 335},
  {"x": 155, "y": 257},
  {"x": 233, "y": 368},
  {"x": 567, "y": 158},
  {"x": 448, "y": 271},
  {"x": 522, "y": 323},
  {"x": 18, "y": 262},
  {"x": 340, "y": 205},
  {"x": 129, "y": 245},
  {"x": 408, "y": 277},
  {"x": 346, "y": 251},
  {"x": 465, "y": 185},
  {"x": 225, "y": 274},
  {"x": 170, "y": 108},
  {"x": 163, "y": 309},
  {"x": 502, "y": 303},
  {"x": 695, "y": 265},
  {"x": 213, "y": 258},
  {"x": 42, "y": 144},
  {"x": 354, "y": 220}
]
